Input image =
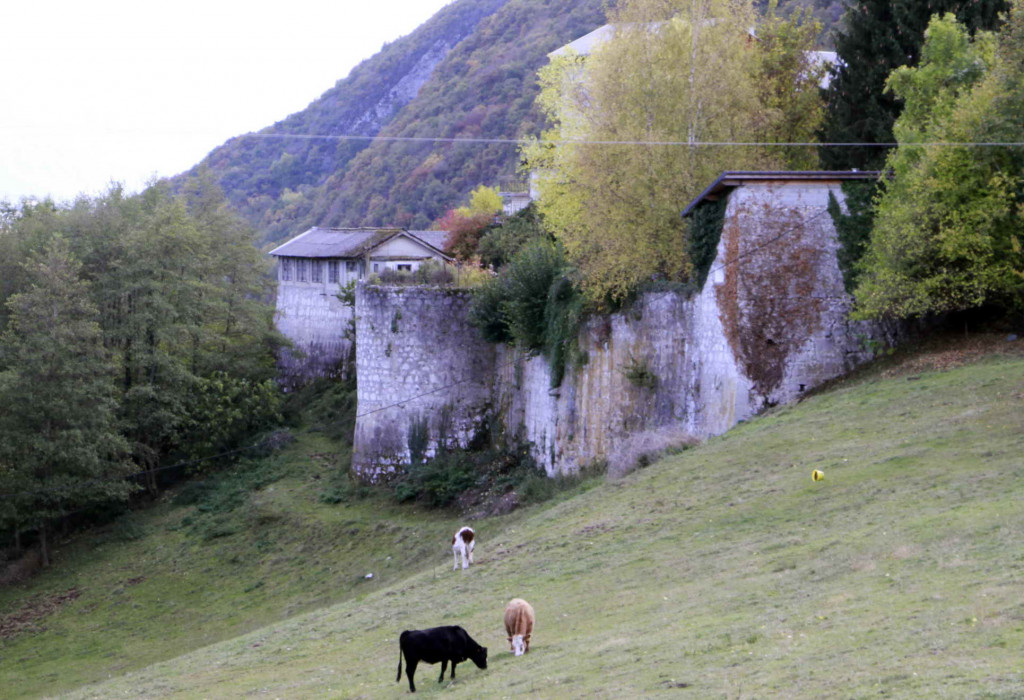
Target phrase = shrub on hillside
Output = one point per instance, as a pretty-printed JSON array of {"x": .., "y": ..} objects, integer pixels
[{"x": 467, "y": 476}]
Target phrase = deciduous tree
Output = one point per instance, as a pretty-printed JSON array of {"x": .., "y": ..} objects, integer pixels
[
  {"x": 466, "y": 225},
  {"x": 626, "y": 152},
  {"x": 947, "y": 230},
  {"x": 879, "y": 36}
]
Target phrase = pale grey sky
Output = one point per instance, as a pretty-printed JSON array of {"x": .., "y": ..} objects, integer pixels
[{"x": 123, "y": 90}]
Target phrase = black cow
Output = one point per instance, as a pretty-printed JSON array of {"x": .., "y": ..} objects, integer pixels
[{"x": 442, "y": 644}]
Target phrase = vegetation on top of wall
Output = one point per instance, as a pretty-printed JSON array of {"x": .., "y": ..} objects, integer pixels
[
  {"x": 430, "y": 273},
  {"x": 563, "y": 318},
  {"x": 875, "y": 38},
  {"x": 465, "y": 225},
  {"x": 499, "y": 244},
  {"x": 433, "y": 274},
  {"x": 527, "y": 281},
  {"x": 946, "y": 234},
  {"x": 611, "y": 198},
  {"x": 533, "y": 304}
]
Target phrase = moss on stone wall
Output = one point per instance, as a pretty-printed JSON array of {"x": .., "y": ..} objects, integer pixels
[{"x": 768, "y": 303}]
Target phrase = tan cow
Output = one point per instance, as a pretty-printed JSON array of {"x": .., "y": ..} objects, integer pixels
[{"x": 519, "y": 619}]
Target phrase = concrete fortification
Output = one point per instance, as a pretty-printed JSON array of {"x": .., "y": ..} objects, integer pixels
[{"x": 770, "y": 323}]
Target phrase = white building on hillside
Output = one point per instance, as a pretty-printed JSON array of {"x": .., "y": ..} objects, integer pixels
[{"x": 312, "y": 269}]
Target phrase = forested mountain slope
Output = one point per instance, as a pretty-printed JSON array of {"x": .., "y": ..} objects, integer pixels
[
  {"x": 485, "y": 89},
  {"x": 268, "y": 177},
  {"x": 467, "y": 73}
]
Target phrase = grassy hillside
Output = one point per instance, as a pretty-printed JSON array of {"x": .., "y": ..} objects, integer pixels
[
  {"x": 724, "y": 571},
  {"x": 212, "y": 561}
]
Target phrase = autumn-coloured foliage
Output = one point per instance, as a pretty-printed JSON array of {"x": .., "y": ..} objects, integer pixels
[
  {"x": 466, "y": 225},
  {"x": 645, "y": 120}
]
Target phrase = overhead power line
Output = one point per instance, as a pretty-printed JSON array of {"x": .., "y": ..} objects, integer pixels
[{"x": 625, "y": 142}]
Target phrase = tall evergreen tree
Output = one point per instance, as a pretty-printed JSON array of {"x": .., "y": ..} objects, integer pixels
[
  {"x": 878, "y": 37},
  {"x": 59, "y": 442}
]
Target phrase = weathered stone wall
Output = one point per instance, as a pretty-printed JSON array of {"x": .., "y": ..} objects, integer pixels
[
  {"x": 770, "y": 323},
  {"x": 779, "y": 290},
  {"x": 319, "y": 326},
  {"x": 417, "y": 360}
]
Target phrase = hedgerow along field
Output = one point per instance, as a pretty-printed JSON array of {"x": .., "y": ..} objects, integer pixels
[{"x": 724, "y": 571}]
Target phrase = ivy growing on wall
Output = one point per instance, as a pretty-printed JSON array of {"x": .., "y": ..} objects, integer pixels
[
  {"x": 853, "y": 228},
  {"x": 706, "y": 224},
  {"x": 563, "y": 316}
]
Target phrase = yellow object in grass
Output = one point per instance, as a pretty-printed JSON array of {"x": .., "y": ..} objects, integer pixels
[{"x": 817, "y": 475}]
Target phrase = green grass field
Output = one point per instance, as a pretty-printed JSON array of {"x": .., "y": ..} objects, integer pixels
[{"x": 723, "y": 571}]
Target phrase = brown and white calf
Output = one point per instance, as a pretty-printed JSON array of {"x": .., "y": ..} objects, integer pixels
[
  {"x": 519, "y": 619},
  {"x": 463, "y": 543}
]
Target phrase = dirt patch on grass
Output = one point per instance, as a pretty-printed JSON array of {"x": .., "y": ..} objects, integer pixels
[
  {"x": 595, "y": 529},
  {"x": 934, "y": 353},
  {"x": 906, "y": 552},
  {"x": 27, "y": 619},
  {"x": 947, "y": 352}
]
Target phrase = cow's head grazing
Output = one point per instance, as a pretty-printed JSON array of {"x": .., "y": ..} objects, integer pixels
[
  {"x": 479, "y": 656},
  {"x": 518, "y": 645}
]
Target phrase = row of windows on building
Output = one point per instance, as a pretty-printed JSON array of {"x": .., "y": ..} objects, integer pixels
[{"x": 306, "y": 270}]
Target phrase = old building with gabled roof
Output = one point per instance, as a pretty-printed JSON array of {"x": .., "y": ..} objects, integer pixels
[{"x": 315, "y": 266}]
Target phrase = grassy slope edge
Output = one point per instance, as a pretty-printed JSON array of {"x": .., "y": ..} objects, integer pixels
[{"x": 724, "y": 570}]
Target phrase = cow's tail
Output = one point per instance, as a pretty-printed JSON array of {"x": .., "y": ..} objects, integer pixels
[{"x": 399, "y": 676}]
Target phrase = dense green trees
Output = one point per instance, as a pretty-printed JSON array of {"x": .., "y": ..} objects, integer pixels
[
  {"x": 60, "y": 449},
  {"x": 877, "y": 37},
  {"x": 140, "y": 331},
  {"x": 500, "y": 243},
  {"x": 947, "y": 233}
]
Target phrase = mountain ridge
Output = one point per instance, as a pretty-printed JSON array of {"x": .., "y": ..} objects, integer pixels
[
  {"x": 468, "y": 73},
  {"x": 266, "y": 175}
]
